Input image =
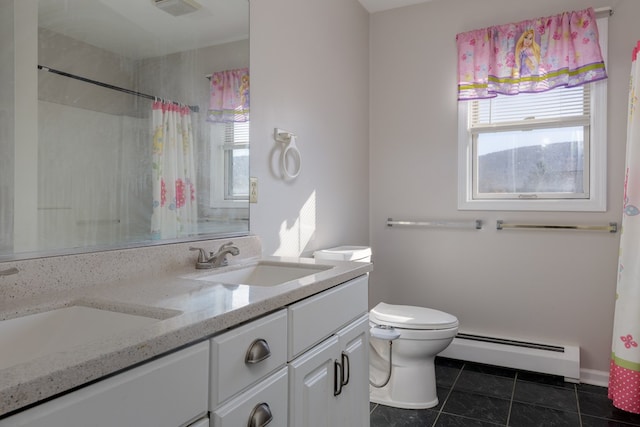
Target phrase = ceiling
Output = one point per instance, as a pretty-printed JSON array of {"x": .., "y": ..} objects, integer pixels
[
  {"x": 138, "y": 29},
  {"x": 380, "y": 5}
]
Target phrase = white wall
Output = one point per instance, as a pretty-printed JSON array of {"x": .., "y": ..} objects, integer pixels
[
  {"x": 543, "y": 286},
  {"x": 309, "y": 75}
]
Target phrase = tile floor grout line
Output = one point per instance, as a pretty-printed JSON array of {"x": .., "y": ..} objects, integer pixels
[
  {"x": 575, "y": 390},
  {"x": 448, "y": 394},
  {"x": 513, "y": 392}
]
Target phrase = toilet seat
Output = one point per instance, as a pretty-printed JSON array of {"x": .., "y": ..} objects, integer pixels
[{"x": 411, "y": 317}]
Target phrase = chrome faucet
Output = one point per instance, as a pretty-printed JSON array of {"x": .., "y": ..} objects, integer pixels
[{"x": 215, "y": 259}]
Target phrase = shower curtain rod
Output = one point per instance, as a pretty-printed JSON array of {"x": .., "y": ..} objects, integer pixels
[{"x": 193, "y": 108}]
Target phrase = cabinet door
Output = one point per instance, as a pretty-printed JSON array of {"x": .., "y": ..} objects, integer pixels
[
  {"x": 312, "y": 384},
  {"x": 353, "y": 401},
  {"x": 167, "y": 392}
]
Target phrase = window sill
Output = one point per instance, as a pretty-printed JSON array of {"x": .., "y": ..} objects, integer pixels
[{"x": 534, "y": 205}]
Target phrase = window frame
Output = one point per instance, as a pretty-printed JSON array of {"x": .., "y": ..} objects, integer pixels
[
  {"x": 220, "y": 152},
  {"x": 596, "y": 148},
  {"x": 526, "y": 126},
  {"x": 228, "y": 151}
]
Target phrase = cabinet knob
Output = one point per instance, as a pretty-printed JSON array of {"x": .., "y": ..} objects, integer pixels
[
  {"x": 257, "y": 352},
  {"x": 260, "y": 416}
]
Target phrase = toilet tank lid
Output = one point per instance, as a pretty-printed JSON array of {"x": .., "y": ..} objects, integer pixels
[
  {"x": 344, "y": 253},
  {"x": 411, "y": 317}
]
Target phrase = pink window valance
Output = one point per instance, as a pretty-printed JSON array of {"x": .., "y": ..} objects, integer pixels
[
  {"x": 530, "y": 56},
  {"x": 229, "y": 100}
]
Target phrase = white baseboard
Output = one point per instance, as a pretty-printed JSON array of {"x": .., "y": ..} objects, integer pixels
[
  {"x": 593, "y": 377},
  {"x": 519, "y": 355}
]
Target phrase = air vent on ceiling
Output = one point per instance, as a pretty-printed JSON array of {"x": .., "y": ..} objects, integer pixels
[{"x": 177, "y": 7}]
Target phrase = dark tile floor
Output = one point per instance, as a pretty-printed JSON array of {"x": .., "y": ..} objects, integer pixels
[{"x": 473, "y": 395}]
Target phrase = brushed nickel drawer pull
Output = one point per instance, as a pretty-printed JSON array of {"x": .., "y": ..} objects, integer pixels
[
  {"x": 260, "y": 416},
  {"x": 258, "y": 351}
]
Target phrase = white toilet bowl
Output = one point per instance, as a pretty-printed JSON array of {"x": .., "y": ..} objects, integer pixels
[{"x": 423, "y": 333}]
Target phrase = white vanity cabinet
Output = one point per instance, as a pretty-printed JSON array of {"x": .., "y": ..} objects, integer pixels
[
  {"x": 304, "y": 365},
  {"x": 329, "y": 346},
  {"x": 317, "y": 371},
  {"x": 171, "y": 391}
]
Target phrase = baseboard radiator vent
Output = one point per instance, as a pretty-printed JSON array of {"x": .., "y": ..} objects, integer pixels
[{"x": 562, "y": 360}]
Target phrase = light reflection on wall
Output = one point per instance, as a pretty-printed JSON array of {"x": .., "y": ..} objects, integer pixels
[{"x": 295, "y": 237}]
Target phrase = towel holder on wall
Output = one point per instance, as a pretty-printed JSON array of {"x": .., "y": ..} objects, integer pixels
[
  {"x": 290, "y": 149},
  {"x": 612, "y": 227},
  {"x": 474, "y": 224}
]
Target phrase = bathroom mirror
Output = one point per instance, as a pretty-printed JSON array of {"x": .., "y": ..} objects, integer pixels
[{"x": 106, "y": 138}]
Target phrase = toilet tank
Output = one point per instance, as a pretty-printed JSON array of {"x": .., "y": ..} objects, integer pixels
[{"x": 345, "y": 253}]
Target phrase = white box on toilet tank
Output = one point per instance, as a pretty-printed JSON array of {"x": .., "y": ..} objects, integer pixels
[{"x": 345, "y": 253}]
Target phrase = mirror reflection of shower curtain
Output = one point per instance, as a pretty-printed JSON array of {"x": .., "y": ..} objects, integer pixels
[
  {"x": 174, "y": 194},
  {"x": 624, "y": 376}
]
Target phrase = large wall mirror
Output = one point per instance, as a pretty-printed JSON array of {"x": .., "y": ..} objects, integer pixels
[{"x": 122, "y": 123}]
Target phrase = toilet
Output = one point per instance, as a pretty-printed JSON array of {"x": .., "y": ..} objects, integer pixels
[
  {"x": 413, "y": 336},
  {"x": 403, "y": 345}
]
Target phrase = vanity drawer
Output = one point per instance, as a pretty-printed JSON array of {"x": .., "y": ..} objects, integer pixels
[
  {"x": 267, "y": 399},
  {"x": 231, "y": 371},
  {"x": 315, "y": 318}
]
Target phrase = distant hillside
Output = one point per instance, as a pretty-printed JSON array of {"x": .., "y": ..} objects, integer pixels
[{"x": 552, "y": 168}]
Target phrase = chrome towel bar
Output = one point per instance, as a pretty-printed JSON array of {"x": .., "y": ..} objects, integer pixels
[
  {"x": 474, "y": 224},
  {"x": 612, "y": 227}
]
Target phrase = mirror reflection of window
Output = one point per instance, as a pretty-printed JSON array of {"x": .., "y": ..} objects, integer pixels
[
  {"x": 236, "y": 165},
  {"x": 230, "y": 157}
]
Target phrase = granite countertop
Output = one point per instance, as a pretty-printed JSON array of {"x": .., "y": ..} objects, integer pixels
[{"x": 188, "y": 310}]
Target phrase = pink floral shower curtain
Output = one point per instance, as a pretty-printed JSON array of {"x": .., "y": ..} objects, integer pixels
[
  {"x": 530, "y": 56},
  {"x": 175, "y": 212},
  {"x": 624, "y": 376},
  {"x": 229, "y": 100}
]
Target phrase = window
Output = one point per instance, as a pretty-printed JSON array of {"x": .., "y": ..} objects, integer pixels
[
  {"x": 230, "y": 160},
  {"x": 236, "y": 161},
  {"x": 535, "y": 151}
]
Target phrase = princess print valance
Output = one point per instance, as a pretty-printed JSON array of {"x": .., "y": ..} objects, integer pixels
[
  {"x": 530, "y": 56},
  {"x": 229, "y": 96}
]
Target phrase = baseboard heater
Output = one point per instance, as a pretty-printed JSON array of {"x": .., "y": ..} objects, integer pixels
[{"x": 561, "y": 360}]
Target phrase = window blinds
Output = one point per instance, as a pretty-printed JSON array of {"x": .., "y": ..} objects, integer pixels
[{"x": 554, "y": 104}]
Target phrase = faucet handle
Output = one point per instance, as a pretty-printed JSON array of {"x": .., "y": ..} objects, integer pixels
[
  {"x": 202, "y": 256},
  {"x": 202, "y": 262}
]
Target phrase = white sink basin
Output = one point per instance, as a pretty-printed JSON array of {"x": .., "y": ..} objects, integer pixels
[
  {"x": 29, "y": 337},
  {"x": 265, "y": 273}
]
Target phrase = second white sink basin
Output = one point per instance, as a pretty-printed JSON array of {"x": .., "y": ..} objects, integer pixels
[
  {"x": 266, "y": 273},
  {"x": 36, "y": 335}
]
